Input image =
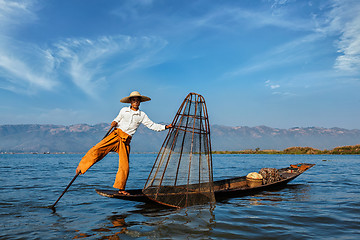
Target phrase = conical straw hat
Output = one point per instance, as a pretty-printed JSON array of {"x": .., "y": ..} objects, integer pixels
[{"x": 135, "y": 94}]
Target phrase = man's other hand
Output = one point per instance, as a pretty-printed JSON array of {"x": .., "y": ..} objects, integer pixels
[{"x": 114, "y": 124}]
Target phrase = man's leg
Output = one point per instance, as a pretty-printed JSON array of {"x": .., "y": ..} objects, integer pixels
[
  {"x": 123, "y": 170},
  {"x": 99, "y": 151}
]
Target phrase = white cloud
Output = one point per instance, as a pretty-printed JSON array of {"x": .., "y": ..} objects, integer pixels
[
  {"x": 344, "y": 21},
  {"x": 233, "y": 18},
  {"x": 87, "y": 62},
  {"x": 25, "y": 68},
  {"x": 17, "y": 69},
  {"x": 90, "y": 61},
  {"x": 277, "y": 3},
  {"x": 272, "y": 86},
  {"x": 283, "y": 55},
  {"x": 22, "y": 65},
  {"x": 14, "y": 13},
  {"x": 275, "y": 89},
  {"x": 338, "y": 21}
]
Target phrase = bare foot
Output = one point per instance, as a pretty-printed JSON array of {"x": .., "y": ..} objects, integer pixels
[{"x": 123, "y": 192}]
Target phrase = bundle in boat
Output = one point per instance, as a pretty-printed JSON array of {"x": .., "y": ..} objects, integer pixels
[{"x": 182, "y": 173}]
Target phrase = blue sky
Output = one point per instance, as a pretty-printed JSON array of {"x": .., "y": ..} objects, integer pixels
[{"x": 279, "y": 63}]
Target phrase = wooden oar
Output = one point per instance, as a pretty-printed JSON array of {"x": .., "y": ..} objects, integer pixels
[
  {"x": 108, "y": 132},
  {"x": 53, "y": 206}
]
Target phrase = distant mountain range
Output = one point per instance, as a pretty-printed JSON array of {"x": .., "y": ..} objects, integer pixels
[{"x": 81, "y": 137}]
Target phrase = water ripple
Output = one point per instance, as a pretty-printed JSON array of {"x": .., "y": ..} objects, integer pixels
[{"x": 323, "y": 203}]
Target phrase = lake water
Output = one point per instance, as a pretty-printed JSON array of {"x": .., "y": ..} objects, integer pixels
[{"x": 323, "y": 203}]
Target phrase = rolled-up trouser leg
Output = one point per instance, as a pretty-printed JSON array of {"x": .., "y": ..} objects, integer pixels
[
  {"x": 99, "y": 151},
  {"x": 123, "y": 170}
]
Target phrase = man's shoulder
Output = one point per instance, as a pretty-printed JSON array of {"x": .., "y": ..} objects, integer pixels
[
  {"x": 125, "y": 109},
  {"x": 142, "y": 113}
]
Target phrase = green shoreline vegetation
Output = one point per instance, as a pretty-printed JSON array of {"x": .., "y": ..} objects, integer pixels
[
  {"x": 297, "y": 150},
  {"x": 354, "y": 149}
]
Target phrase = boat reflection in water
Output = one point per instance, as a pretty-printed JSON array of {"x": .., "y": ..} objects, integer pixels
[
  {"x": 118, "y": 227},
  {"x": 153, "y": 221},
  {"x": 286, "y": 193}
]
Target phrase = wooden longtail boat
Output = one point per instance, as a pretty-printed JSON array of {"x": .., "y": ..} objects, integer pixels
[
  {"x": 227, "y": 188},
  {"x": 182, "y": 174}
]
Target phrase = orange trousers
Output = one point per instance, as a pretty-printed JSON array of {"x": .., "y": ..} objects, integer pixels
[{"x": 116, "y": 141}]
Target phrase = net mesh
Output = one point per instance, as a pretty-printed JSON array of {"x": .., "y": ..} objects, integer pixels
[{"x": 182, "y": 173}]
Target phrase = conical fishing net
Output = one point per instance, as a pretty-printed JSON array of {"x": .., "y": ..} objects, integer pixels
[{"x": 182, "y": 173}]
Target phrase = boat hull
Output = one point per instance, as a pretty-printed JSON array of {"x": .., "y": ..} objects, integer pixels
[{"x": 223, "y": 189}]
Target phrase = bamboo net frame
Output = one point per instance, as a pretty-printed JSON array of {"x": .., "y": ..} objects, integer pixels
[{"x": 182, "y": 174}]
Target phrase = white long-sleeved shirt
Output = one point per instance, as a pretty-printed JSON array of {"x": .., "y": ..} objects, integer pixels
[{"x": 129, "y": 120}]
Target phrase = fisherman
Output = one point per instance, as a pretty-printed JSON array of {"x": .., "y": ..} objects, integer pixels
[{"x": 125, "y": 124}]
